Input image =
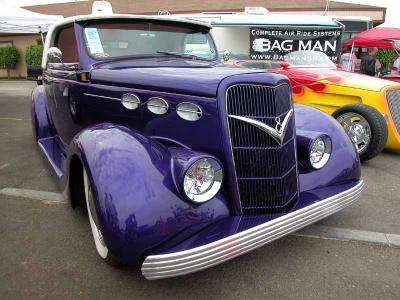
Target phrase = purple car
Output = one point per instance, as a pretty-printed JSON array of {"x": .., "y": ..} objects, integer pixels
[{"x": 181, "y": 163}]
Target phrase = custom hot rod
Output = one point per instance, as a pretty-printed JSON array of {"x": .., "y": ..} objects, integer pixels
[{"x": 181, "y": 163}]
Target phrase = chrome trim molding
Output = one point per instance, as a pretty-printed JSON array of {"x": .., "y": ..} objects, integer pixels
[
  {"x": 162, "y": 103},
  {"x": 196, "y": 110},
  {"x": 100, "y": 96},
  {"x": 133, "y": 103},
  {"x": 277, "y": 133},
  {"x": 199, "y": 258}
]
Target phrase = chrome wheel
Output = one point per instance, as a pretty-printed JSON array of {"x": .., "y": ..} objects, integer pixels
[
  {"x": 101, "y": 247},
  {"x": 357, "y": 128}
]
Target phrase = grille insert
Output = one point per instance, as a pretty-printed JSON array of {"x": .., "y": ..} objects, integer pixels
[
  {"x": 393, "y": 100},
  {"x": 266, "y": 172}
]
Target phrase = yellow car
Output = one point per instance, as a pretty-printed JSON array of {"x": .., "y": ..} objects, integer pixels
[{"x": 367, "y": 107}]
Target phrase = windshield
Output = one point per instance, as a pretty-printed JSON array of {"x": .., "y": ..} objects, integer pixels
[
  {"x": 143, "y": 38},
  {"x": 309, "y": 58}
]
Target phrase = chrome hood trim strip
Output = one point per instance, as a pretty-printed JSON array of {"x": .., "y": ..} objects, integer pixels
[{"x": 199, "y": 258}]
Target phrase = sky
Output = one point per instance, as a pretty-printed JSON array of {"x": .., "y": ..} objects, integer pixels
[{"x": 391, "y": 5}]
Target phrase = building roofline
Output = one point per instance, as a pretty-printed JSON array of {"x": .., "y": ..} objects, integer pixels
[{"x": 169, "y": 18}]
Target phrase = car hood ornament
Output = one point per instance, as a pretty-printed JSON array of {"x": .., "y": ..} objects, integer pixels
[{"x": 277, "y": 133}]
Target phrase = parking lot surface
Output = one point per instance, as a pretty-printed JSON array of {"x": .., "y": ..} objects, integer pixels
[{"x": 47, "y": 250}]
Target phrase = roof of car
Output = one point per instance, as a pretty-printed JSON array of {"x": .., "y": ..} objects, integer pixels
[
  {"x": 70, "y": 20},
  {"x": 81, "y": 18}
]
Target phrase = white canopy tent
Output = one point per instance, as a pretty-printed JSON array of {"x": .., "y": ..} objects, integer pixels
[
  {"x": 393, "y": 24},
  {"x": 16, "y": 20}
]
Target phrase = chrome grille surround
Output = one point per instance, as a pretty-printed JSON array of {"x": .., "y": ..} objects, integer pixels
[
  {"x": 266, "y": 172},
  {"x": 393, "y": 100}
]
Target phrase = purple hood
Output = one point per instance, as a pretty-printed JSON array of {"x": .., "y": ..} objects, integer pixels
[{"x": 182, "y": 77}]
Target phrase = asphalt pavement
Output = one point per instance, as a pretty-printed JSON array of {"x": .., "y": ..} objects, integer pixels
[{"x": 47, "y": 250}]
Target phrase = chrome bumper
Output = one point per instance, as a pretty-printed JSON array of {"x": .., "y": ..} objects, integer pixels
[{"x": 199, "y": 258}]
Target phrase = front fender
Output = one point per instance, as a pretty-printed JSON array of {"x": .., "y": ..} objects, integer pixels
[
  {"x": 138, "y": 206},
  {"x": 40, "y": 123},
  {"x": 344, "y": 163}
]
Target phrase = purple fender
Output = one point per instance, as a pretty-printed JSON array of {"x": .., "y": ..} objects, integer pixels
[
  {"x": 138, "y": 206},
  {"x": 313, "y": 123},
  {"x": 40, "y": 121}
]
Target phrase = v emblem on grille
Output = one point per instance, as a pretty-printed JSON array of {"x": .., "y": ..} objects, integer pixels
[{"x": 277, "y": 133}]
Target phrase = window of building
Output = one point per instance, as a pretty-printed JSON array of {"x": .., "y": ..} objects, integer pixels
[{"x": 6, "y": 43}]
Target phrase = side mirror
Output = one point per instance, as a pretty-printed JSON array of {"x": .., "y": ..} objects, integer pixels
[
  {"x": 226, "y": 55},
  {"x": 35, "y": 73},
  {"x": 284, "y": 64},
  {"x": 54, "y": 55}
]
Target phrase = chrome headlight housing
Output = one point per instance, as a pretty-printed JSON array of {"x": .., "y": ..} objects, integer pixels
[
  {"x": 202, "y": 179},
  {"x": 157, "y": 105},
  {"x": 320, "y": 152},
  {"x": 130, "y": 101},
  {"x": 189, "y": 111}
]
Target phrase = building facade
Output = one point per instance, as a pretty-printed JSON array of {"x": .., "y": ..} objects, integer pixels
[
  {"x": 306, "y": 7},
  {"x": 20, "y": 41}
]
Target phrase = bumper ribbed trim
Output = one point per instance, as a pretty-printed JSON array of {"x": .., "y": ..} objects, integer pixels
[{"x": 199, "y": 258}]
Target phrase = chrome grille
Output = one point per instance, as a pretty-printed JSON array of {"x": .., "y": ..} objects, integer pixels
[
  {"x": 393, "y": 100},
  {"x": 266, "y": 171}
]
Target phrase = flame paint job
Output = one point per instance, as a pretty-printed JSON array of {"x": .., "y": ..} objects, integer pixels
[
  {"x": 328, "y": 89},
  {"x": 331, "y": 89}
]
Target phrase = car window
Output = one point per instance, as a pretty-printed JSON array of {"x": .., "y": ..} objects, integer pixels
[
  {"x": 139, "y": 38},
  {"x": 66, "y": 42},
  {"x": 197, "y": 44}
]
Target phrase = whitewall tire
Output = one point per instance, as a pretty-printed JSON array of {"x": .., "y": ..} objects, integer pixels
[{"x": 101, "y": 247}]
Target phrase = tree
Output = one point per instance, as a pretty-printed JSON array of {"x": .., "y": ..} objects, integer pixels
[
  {"x": 386, "y": 57},
  {"x": 9, "y": 57},
  {"x": 33, "y": 55}
]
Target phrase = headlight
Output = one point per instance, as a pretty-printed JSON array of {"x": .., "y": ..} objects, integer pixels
[
  {"x": 202, "y": 180},
  {"x": 320, "y": 151}
]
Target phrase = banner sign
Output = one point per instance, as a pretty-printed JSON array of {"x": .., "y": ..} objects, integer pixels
[{"x": 275, "y": 43}]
